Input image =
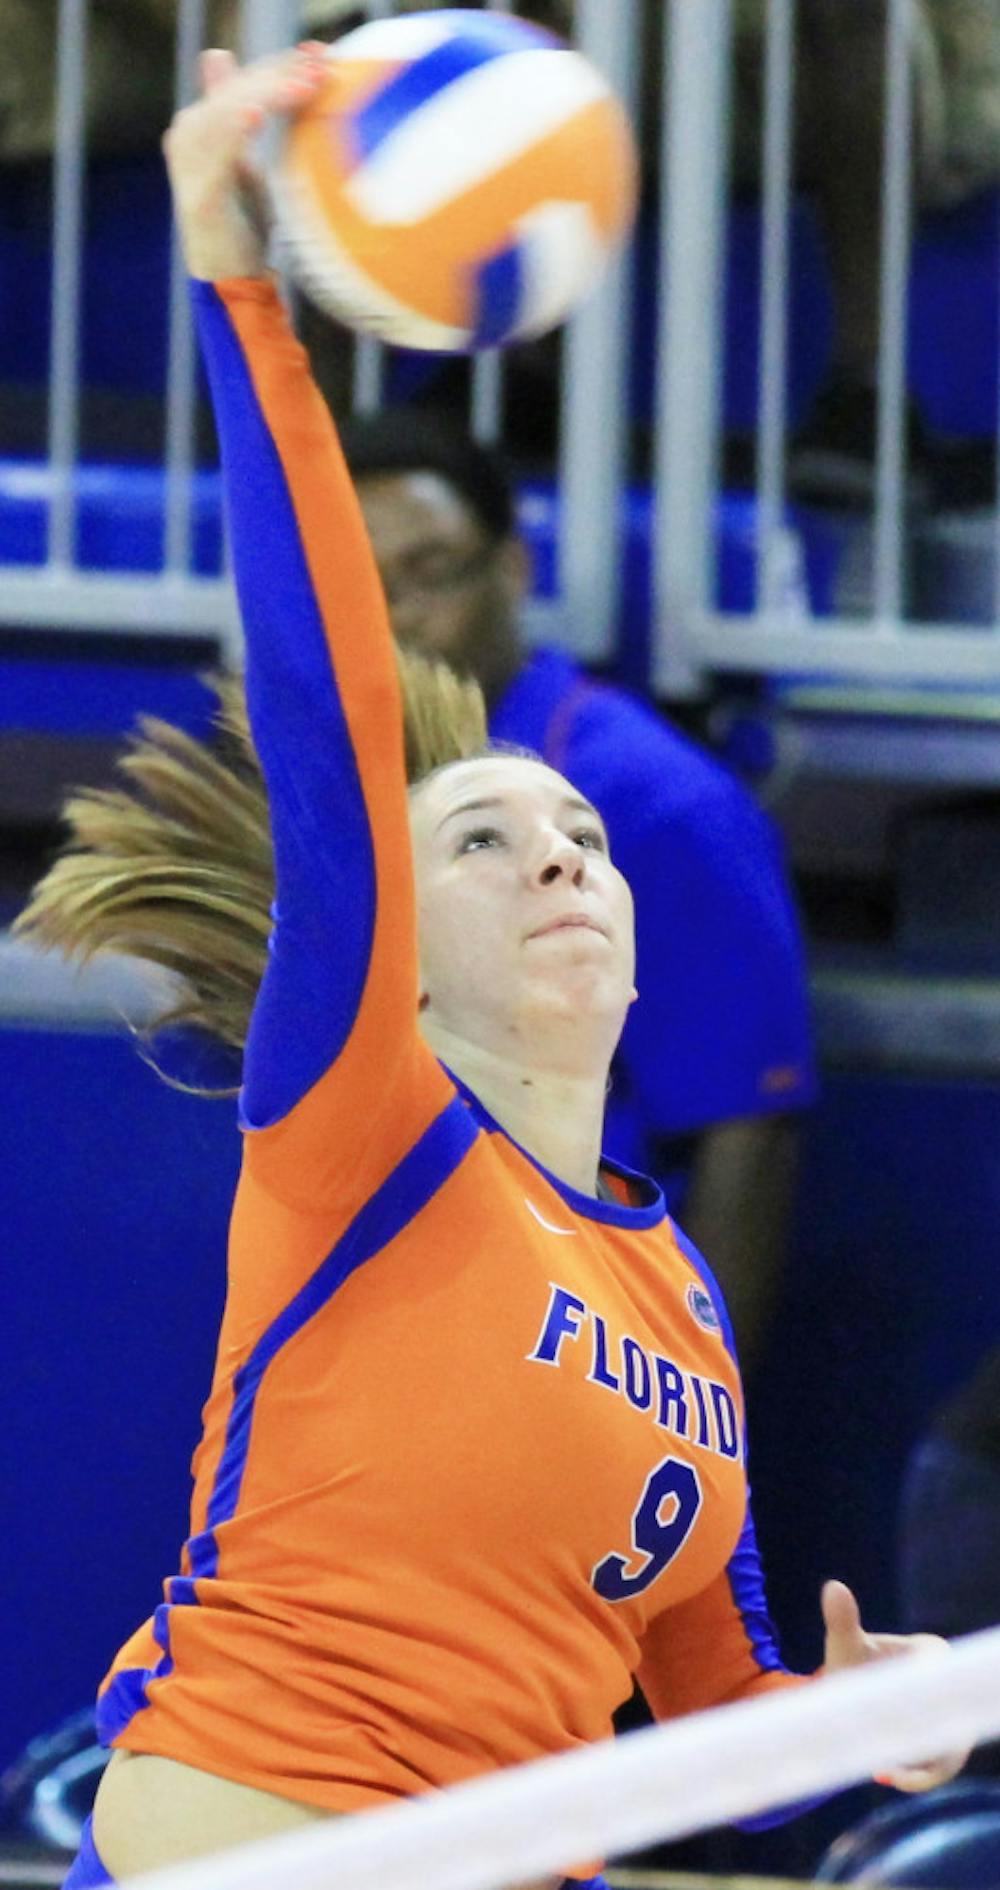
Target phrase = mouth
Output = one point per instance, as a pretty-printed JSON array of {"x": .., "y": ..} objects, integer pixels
[{"x": 573, "y": 922}]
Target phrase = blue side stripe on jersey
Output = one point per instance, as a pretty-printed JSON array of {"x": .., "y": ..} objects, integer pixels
[
  {"x": 124, "y": 1698},
  {"x": 475, "y": 45},
  {"x": 127, "y": 1695},
  {"x": 746, "y": 1579},
  {"x": 408, "y": 1189},
  {"x": 413, "y": 1183},
  {"x": 744, "y": 1570},
  {"x": 499, "y": 296},
  {"x": 324, "y": 859}
]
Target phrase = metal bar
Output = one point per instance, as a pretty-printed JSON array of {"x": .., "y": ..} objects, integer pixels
[
  {"x": 268, "y": 26},
  {"x": 486, "y": 393},
  {"x": 67, "y": 240},
  {"x": 89, "y": 600},
  {"x": 862, "y": 649},
  {"x": 996, "y": 593},
  {"x": 776, "y": 200},
  {"x": 890, "y": 464},
  {"x": 180, "y": 400},
  {"x": 369, "y": 372},
  {"x": 693, "y": 170},
  {"x": 594, "y": 394},
  {"x": 487, "y": 396},
  {"x": 369, "y": 354}
]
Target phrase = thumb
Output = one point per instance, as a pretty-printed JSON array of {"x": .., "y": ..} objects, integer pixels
[{"x": 845, "y": 1636}]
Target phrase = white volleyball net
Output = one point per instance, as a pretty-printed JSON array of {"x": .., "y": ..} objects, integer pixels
[{"x": 531, "y": 1823}]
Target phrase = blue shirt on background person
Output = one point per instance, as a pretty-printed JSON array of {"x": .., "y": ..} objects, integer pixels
[{"x": 716, "y": 1061}]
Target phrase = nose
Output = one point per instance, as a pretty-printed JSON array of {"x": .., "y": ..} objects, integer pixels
[{"x": 557, "y": 857}]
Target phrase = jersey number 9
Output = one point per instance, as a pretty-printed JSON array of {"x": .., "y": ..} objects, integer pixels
[{"x": 654, "y": 1538}]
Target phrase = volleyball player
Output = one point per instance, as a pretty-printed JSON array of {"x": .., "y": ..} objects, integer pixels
[{"x": 473, "y": 1454}]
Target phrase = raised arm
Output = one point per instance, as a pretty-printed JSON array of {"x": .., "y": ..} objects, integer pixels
[{"x": 333, "y": 1043}]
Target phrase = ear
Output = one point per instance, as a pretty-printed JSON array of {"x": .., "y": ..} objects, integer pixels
[{"x": 633, "y": 995}]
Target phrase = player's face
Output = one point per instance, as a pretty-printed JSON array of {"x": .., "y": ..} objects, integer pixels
[
  {"x": 453, "y": 590},
  {"x": 523, "y": 919}
]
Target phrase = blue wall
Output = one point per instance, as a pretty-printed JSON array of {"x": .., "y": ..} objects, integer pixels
[{"x": 114, "y": 1205}]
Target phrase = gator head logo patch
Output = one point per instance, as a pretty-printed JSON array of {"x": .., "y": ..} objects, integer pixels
[{"x": 701, "y": 1306}]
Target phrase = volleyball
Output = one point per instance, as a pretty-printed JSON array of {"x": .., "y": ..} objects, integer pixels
[{"x": 458, "y": 183}]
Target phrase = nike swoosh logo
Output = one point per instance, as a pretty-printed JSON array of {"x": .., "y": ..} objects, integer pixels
[{"x": 570, "y": 1232}]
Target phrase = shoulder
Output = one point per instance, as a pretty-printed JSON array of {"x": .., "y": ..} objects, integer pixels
[
  {"x": 628, "y": 744},
  {"x": 657, "y": 788}
]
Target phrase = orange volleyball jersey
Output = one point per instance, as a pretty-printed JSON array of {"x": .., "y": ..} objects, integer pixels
[{"x": 473, "y": 1454}]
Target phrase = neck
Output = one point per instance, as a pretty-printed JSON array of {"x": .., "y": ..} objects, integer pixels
[{"x": 558, "y": 1118}]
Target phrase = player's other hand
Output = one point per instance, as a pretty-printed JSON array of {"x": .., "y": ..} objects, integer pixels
[
  {"x": 848, "y": 1644},
  {"x": 218, "y": 192}
]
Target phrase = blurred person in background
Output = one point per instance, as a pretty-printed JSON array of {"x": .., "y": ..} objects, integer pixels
[
  {"x": 949, "y": 1540},
  {"x": 716, "y": 1061},
  {"x": 950, "y": 1521}
]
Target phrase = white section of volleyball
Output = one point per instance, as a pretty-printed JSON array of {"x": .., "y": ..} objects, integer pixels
[
  {"x": 479, "y": 124},
  {"x": 562, "y": 256},
  {"x": 662, "y": 1783}
]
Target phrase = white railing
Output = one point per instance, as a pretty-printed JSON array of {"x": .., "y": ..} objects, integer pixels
[
  {"x": 62, "y": 595},
  {"x": 692, "y": 638}
]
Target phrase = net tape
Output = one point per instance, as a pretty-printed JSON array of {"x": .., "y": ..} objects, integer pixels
[{"x": 665, "y": 1782}]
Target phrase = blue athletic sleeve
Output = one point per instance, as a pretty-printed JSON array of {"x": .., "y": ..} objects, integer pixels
[{"x": 334, "y": 1030}]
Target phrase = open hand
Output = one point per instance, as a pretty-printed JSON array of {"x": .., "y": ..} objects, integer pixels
[
  {"x": 218, "y": 192},
  {"x": 848, "y": 1644}
]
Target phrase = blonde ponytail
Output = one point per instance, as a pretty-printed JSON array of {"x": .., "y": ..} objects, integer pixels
[{"x": 176, "y": 866}]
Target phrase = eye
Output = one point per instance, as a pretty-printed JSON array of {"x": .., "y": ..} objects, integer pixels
[
  {"x": 480, "y": 837},
  {"x": 590, "y": 837}
]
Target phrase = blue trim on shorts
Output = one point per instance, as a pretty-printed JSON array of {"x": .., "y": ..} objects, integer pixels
[
  {"x": 88, "y": 1872},
  {"x": 87, "y": 1869}
]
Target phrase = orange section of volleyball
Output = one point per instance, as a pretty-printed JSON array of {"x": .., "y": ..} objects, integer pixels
[{"x": 428, "y": 266}]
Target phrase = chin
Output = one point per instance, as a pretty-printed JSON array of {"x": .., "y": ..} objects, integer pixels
[{"x": 586, "y": 997}]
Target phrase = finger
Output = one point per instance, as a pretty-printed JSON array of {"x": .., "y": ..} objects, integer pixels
[
  {"x": 267, "y": 78},
  {"x": 207, "y": 140},
  {"x": 276, "y": 83},
  {"x": 215, "y": 66},
  {"x": 841, "y": 1614},
  {"x": 924, "y": 1777}
]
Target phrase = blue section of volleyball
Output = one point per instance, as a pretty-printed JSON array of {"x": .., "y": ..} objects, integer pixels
[
  {"x": 467, "y": 47},
  {"x": 498, "y": 299}
]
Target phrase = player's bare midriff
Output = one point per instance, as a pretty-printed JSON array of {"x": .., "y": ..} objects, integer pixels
[{"x": 152, "y": 1811}]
